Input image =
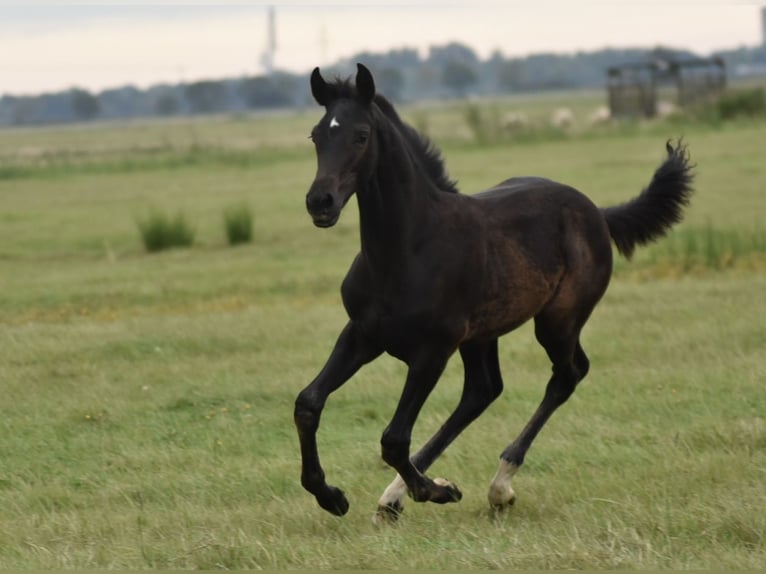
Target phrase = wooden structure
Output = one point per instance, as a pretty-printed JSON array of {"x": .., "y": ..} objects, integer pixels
[{"x": 633, "y": 88}]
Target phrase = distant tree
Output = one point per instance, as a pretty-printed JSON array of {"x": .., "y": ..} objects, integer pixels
[
  {"x": 205, "y": 96},
  {"x": 459, "y": 77},
  {"x": 388, "y": 69},
  {"x": 403, "y": 58},
  {"x": 390, "y": 83},
  {"x": 42, "y": 109},
  {"x": 25, "y": 110},
  {"x": 449, "y": 69},
  {"x": 84, "y": 104},
  {"x": 452, "y": 53},
  {"x": 166, "y": 104},
  {"x": 123, "y": 102},
  {"x": 399, "y": 59},
  {"x": 267, "y": 91},
  {"x": 510, "y": 75},
  {"x": 496, "y": 57},
  {"x": 427, "y": 80}
]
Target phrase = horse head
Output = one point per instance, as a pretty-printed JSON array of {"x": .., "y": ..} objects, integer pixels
[{"x": 343, "y": 141}]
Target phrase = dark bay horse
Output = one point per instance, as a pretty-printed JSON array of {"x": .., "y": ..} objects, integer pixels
[{"x": 440, "y": 272}]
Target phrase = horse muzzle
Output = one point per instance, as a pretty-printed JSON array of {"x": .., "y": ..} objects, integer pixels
[
  {"x": 325, "y": 219},
  {"x": 323, "y": 203}
]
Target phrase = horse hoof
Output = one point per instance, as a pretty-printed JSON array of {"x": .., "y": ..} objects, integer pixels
[
  {"x": 497, "y": 508},
  {"x": 387, "y": 514},
  {"x": 333, "y": 501},
  {"x": 447, "y": 492},
  {"x": 499, "y": 501}
]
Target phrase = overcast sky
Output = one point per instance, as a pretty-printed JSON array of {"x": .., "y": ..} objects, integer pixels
[{"x": 53, "y": 46}]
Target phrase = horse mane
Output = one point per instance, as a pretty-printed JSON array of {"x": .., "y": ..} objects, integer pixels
[{"x": 426, "y": 153}]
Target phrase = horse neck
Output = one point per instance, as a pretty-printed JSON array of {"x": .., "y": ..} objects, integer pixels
[{"x": 394, "y": 204}]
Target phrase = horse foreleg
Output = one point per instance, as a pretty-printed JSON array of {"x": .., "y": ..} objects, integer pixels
[
  {"x": 350, "y": 353},
  {"x": 395, "y": 442},
  {"x": 482, "y": 384}
]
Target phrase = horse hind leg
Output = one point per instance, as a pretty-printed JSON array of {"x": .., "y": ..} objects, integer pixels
[
  {"x": 588, "y": 254},
  {"x": 482, "y": 384},
  {"x": 570, "y": 365}
]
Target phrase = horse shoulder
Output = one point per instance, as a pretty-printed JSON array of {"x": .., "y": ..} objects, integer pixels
[{"x": 357, "y": 289}]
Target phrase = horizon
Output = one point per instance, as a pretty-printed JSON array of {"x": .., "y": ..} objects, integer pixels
[{"x": 51, "y": 48}]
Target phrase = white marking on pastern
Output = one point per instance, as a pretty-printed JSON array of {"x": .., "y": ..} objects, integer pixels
[
  {"x": 394, "y": 493},
  {"x": 500, "y": 491}
]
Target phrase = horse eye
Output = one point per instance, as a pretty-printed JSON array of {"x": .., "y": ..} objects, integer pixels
[{"x": 360, "y": 138}]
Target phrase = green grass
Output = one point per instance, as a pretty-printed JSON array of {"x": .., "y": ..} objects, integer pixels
[{"x": 146, "y": 419}]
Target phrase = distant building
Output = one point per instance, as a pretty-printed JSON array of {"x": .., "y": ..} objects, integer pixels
[
  {"x": 267, "y": 57},
  {"x": 763, "y": 26}
]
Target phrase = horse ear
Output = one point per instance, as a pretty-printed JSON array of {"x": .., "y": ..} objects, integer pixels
[
  {"x": 319, "y": 88},
  {"x": 365, "y": 85}
]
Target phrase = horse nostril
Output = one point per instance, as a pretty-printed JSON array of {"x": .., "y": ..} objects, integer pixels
[{"x": 320, "y": 201}]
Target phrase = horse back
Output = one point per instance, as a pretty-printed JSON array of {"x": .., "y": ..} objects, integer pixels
[{"x": 540, "y": 213}]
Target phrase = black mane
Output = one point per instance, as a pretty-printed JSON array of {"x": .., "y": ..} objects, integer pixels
[
  {"x": 429, "y": 155},
  {"x": 426, "y": 153}
]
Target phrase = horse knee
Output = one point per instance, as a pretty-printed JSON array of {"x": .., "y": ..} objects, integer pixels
[{"x": 306, "y": 413}]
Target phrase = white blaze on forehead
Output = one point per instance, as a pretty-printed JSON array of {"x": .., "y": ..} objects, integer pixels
[{"x": 334, "y": 123}]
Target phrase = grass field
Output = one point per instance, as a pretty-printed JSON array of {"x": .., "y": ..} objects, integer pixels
[{"x": 146, "y": 412}]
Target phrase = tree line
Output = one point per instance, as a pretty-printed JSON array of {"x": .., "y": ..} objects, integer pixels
[{"x": 450, "y": 71}]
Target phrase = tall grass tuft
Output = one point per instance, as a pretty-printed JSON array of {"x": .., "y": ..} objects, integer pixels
[
  {"x": 238, "y": 221},
  {"x": 478, "y": 124},
  {"x": 746, "y": 103},
  {"x": 710, "y": 247},
  {"x": 160, "y": 231}
]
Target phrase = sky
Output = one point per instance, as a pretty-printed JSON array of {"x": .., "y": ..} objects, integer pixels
[{"x": 51, "y": 46}]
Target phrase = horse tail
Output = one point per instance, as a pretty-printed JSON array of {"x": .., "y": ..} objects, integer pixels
[{"x": 652, "y": 213}]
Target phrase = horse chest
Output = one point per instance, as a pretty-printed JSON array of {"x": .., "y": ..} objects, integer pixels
[
  {"x": 399, "y": 320},
  {"x": 380, "y": 314}
]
